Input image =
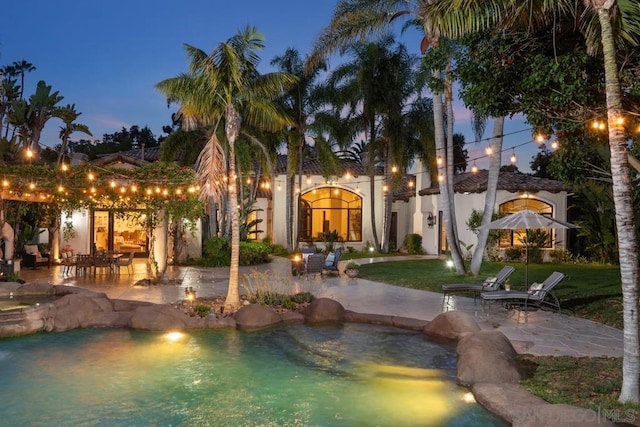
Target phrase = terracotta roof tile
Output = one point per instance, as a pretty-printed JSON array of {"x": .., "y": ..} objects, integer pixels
[{"x": 513, "y": 182}]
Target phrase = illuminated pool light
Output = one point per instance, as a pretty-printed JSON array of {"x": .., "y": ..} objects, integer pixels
[{"x": 174, "y": 336}]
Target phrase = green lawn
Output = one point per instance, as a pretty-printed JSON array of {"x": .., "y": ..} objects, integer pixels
[{"x": 592, "y": 291}]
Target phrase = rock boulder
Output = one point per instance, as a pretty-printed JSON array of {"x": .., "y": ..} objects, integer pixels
[
  {"x": 256, "y": 316},
  {"x": 451, "y": 325},
  {"x": 324, "y": 310},
  {"x": 488, "y": 357}
]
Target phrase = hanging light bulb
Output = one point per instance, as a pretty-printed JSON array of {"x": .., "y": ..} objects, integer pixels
[
  {"x": 440, "y": 177},
  {"x": 64, "y": 167},
  {"x": 540, "y": 138},
  {"x": 410, "y": 184},
  {"x": 489, "y": 150},
  {"x": 555, "y": 144},
  {"x": 514, "y": 159},
  {"x": 384, "y": 188},
  {"x": 439, "y": 160},
  {"x": 394, "y": 169},
  {"x": 29, "y": 153},
  {"x": 309, "y": 180},
  {"x": 474, "y": 168}
]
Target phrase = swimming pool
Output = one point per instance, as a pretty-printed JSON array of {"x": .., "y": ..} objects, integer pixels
[{"x": 294, "y": 375}]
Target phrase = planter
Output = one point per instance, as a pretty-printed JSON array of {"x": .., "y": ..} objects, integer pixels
[{"x": 352, "y": 272}]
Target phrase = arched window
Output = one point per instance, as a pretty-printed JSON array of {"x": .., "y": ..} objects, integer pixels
[
  {"x": 517, "y": 237},
  {"x": 326, "y": 209}
]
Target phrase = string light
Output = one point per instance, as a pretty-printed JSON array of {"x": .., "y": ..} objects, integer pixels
[
  {"x": 440, "y": 177},
  {"x": 540, "y": 138},
  {"x": 514, "y": 159},
  {"x": 394, "y": 169},
  {"x": 439, "y": 161},
  {"x": 474, "y": 168},
  {"x": 555, "y": 144},
  {"x": 489, "y": 150},
  {"x": 385, "y": 188}
]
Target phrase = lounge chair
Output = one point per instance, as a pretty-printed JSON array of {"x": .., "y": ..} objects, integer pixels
[
  {"x": 331, "y": 263},
  {"x": 490, "y": 284},
  {"x": 538, "y": 295}
]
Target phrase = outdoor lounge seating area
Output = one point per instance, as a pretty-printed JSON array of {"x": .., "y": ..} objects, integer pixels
[
  {"x": 33, "y": 258},
  {"x": 489, "y": 284},
  {"x": 538, "y": 295}
]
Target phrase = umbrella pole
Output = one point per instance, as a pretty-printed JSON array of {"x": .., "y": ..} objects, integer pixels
[{"x": 526, "y": 261}]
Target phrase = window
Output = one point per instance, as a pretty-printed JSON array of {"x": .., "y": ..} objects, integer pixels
[
  {"x": 326, "y": 209},
  {"x": 121, "y": 233},
  {"x": 518, "y": 237}
]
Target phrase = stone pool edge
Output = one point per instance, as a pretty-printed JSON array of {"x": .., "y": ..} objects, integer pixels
[{"x": 486, "y": 359}]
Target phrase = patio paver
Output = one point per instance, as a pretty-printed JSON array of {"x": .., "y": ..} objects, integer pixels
[{"x": 545, "y": 333}]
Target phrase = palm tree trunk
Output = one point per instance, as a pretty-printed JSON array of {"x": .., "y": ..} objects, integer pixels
[
  {"x": 622, "y": 199},
  {"x": 490, "y": 197},
  {"x": 371, "y": 165},
  {"x": 232, "y": 127},
  {"x": 445, "y": 200},
  {"x": 388, "y": 199}
]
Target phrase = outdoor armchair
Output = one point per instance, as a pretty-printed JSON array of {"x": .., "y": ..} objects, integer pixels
[{"x": 331, "y": 262}]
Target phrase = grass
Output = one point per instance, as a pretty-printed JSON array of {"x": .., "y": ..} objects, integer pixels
[
  {"x": 588, "y": 382},
  {"x": 591, "y": 291}
]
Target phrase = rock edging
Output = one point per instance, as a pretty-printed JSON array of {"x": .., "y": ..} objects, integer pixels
[{"x": 487, "y": 364}]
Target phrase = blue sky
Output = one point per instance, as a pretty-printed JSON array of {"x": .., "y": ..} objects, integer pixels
[{"x": 106, "y": 56}]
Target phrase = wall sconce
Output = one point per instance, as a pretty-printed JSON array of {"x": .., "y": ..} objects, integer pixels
[{"x": 431, "y": 220}]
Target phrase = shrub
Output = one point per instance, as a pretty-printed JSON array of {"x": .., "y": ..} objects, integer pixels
[
  {"x": 252, "y": 253},
  {"x": 413, "y": 243},
  {"x": 217, "y": 253},
  {"x": 202, "y": 310},
  {"x": 559, "y": 255},
  {"x": 513, "y": 254},
  {"x": 302, "y": 297}
]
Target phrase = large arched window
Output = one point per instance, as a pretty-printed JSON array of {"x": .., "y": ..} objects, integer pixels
[
  {"x": 517, "y": 237},
  {"x": 326, "y": 209}
]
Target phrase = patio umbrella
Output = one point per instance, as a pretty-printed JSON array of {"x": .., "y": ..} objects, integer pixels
[{"x": 527, "y": 220}]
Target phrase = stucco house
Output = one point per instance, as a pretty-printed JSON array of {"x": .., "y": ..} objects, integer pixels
[{"x": 343, "y": 203}]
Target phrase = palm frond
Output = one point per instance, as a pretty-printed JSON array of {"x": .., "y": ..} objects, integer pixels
[{"x": 211, "y": 168}]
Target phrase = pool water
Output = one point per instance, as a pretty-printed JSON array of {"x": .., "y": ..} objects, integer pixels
[{"x": 295, "y": 375}]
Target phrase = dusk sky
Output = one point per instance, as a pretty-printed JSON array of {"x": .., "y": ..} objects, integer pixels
[{"x": 105, "y": 57}]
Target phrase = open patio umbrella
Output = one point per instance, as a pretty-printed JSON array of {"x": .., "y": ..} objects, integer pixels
[{"x": 527, "y": 220}]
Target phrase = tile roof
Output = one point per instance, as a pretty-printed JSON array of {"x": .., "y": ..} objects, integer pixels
[{"x": 513, "y": 182}]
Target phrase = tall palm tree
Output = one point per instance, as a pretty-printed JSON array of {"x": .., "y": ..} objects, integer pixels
[
  {"x": 605, "y": 24},
  {"x": 356, "y": 20},
  {"x": 31, "y": 117},
  {"x": 300, "y": 102},
  {"x": 223, "y": 89},
  {"x": 68, "y": 115}
]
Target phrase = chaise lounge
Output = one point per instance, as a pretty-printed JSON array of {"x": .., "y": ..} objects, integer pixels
[
  {"x": 490, "y": 284},
  {"x": 538, "y": 295}
]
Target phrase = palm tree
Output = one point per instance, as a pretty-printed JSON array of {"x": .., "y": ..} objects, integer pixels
[
  {"x": 355, "y": 20},
  {"x": 300, "y": 102},
  {"x": 68, "y": 115},
  {"x": 604, "y": 23},
  {"x": 31, "y": 117},
  {"x": 224, "y": 88}
]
